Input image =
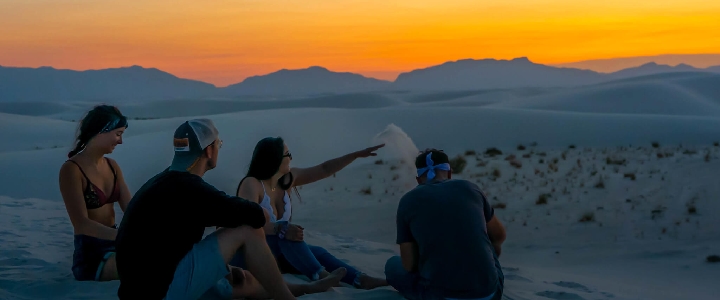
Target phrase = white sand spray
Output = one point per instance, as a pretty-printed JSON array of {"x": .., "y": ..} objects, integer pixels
[{"x": 398, "y": 145}]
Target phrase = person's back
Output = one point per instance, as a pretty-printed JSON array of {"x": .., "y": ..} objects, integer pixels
[
  {"x": 449, "y": 238},
  {"x": 447, "y": 220},
  {"x": 165, "y": 219}
]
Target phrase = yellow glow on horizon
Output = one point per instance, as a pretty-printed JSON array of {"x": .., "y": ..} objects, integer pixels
[{"x": 224, "y": 41}]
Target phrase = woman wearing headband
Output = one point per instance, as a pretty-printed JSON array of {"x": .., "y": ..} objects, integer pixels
[{"x": 90, "y": 184}]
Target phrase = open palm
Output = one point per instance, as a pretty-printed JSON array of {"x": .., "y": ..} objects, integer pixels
[{"x": 369, "y": 151}]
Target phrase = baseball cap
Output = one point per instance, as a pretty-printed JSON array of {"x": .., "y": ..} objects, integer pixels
[{"x": 189, "y": 141}]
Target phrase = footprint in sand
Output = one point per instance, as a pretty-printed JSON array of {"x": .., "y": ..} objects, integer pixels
[
  {"x": 559, "y": 295},
  {"x": 573, "y": 285},
  {"x": 517, "y": 278}
]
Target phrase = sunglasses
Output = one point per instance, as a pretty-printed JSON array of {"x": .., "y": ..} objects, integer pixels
[
  {"x": 219, "y": 145},
  {"x": 288, "y": 155}
]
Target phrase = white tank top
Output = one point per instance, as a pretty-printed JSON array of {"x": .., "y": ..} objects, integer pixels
[{"x": 265, "y": 203}]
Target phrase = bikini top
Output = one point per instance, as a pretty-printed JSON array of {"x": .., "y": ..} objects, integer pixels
[
  {"x": 94, "y": 196},
  {"x": 265, "y": 203}
]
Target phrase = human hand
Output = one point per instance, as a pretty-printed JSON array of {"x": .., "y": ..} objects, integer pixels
[
  {"x": 368, "y": 151},
  {"x": 295, "y": 233}
]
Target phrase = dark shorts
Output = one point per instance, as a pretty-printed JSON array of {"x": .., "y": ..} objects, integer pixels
[{"x": 90, "y": 256}]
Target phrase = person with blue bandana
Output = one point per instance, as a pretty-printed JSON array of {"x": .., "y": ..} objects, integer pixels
[{"x": 449, "y": 237}]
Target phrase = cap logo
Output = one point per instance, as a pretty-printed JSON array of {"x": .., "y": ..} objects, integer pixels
[{"x": 182, "y": 144}]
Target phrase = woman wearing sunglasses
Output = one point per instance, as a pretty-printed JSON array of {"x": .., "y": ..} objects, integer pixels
[{"x": 268, "y": 180}]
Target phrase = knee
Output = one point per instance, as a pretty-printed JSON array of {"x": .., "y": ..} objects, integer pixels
[
  {"x": 393, "y": 267},
  {"x": 318, "y": 251},
  {"x": 249, "y": 233}
]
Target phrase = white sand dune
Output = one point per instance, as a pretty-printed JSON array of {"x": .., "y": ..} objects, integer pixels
[{"x": 643, "y": 241}]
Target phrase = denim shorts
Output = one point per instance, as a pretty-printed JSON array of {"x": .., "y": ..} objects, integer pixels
[
  {"x": 90, "y": 256},
  {"x": 201, "y": 273}
]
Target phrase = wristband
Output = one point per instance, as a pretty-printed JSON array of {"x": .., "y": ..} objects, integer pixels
[{"x": 282, "y": 229}]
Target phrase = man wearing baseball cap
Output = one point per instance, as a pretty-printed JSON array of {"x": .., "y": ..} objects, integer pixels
[{"x": 161, "y": 252}]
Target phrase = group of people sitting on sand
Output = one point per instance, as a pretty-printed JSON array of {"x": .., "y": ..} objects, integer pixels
[{"x": 448, "y": 235}]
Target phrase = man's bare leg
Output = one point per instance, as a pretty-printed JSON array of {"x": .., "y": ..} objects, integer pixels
[
  {"x": 246, "y": 286},
  {"x": 260, "y": 261}
]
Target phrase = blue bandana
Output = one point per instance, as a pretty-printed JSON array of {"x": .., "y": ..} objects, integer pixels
[
  {"x": 113, "y": 124},
  {"x": 431, "y": 167}
]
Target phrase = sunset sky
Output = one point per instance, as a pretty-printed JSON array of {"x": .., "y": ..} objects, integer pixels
[{"x": 223, "y": 41}]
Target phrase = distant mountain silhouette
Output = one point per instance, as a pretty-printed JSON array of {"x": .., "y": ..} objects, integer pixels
[
  {"x": 715, "y": 69},
  {"x": 470, "y": 74},
  {"x": 127, "y": 83},
  {"x": 142, "y": 84},
  {"x": 610, "y": 65},
  {"x": 653, "y": 68},
  {"x": 310, "y": 81}
]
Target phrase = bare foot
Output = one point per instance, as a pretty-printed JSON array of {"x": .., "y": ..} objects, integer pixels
[
  {"x": 331, "y": 280},
  {"x": 236, "y": 277},
  {"x": 369, "y": 283}
]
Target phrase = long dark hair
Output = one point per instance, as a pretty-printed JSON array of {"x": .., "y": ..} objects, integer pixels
[
  {"x": 101, "y": 119},
  {"x": 266, "y": 160}
]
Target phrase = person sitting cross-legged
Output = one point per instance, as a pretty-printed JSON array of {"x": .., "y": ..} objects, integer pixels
[{"x": 449, "y": 238}]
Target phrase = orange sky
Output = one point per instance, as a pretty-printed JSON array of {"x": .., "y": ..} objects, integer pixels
[{"x": 224, "y": 41}]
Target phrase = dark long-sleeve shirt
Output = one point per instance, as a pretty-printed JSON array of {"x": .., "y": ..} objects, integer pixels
[{"x": 162, "y": 223}]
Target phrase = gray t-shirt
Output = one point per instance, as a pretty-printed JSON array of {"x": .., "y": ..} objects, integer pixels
[{"x": 448, "y": 221}]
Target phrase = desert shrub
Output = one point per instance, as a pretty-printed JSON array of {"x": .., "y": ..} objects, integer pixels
[
  {"x": 499, "y": 205},
  {"x": 655, "y": 144},
  {"x": 366, "y": 191},
  {"x": 611, "y": 161},
  {"x": 521, "y": 147},
  {"x": 458, "y": 164},
  {"x": 542, "y": 199},
  {"x": 587, "y": 217},
  {"x": 379, "y": 162},
  {"x": 493, "y": 151},
  {"x": 470, "y": 153},
  {"x": 600, "y": 184}
]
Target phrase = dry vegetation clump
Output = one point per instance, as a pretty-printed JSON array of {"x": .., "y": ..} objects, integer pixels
[
  {"x": 587, "y": 217},
  {"x": 499, "y": 205},
  {"x": 516, "y": 163},
  {"x": 600, "y": 184},
  {"x": 470, "y": 153},
  {"x": 630, "y": 175},
  {"x": 496, "y": 173},
  {"x": 366, "y": 191},
  {"x": 655, "y": 145},
  {"x": 611, "y": 161},
  {"x": 493, "y": 151},
  {"x": 521, "y": 147},
  {"x": 542, "y": 199},
  {"x": 458, "y": 164},
  {"x": 379, "y": 162}
]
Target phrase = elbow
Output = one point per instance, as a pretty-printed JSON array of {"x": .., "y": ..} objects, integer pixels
[
  {"x": 408, "y": 264},
  {"x": 498, "y": 238}
]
